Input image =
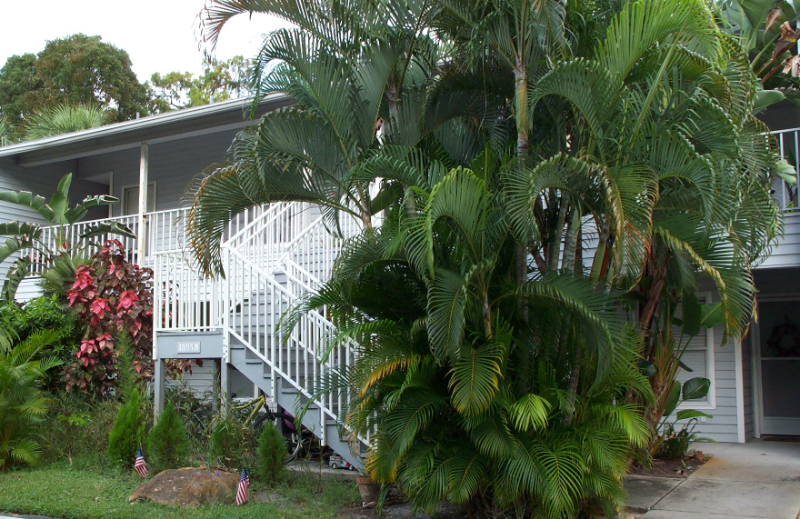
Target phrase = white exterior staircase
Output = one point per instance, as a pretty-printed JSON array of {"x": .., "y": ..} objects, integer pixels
[{"x": 271, "y": 260}]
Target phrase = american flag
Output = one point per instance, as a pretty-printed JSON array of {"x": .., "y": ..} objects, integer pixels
[
  {"x": 243, "y": 492},
  {"x": 140, "y": 467}
]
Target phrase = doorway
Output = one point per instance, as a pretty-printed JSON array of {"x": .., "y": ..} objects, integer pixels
[{"x": 777, "y": 363}]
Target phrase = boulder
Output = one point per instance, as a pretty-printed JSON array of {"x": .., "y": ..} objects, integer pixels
[{"x": 188, "y": 487}]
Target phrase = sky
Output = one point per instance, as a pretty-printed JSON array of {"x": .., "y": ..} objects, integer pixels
[{"x": 159, "y": 35}]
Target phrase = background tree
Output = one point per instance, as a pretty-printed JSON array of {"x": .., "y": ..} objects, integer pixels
[
  {"x": 220, "y": 81},
  {"x": 73, "y": 70},
  {"x": 17, "y": 78}
]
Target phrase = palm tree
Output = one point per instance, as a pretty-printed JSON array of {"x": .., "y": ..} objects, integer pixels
[
  {"x": 66, "y": 253},
  {"x": 347, "y": 67},
  {"x": 22, "y": 403},
  {"x": 471, "y": 403},
  {"x": 63, "y": 119}
]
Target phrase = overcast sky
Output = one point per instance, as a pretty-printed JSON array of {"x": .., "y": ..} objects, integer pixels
[{"x": 159, "y": 35}]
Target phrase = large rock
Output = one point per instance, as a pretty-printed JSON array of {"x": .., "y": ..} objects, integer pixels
[{"x": 188, "y": 487}]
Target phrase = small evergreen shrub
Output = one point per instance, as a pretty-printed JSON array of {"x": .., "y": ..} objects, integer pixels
[
  {"x": 167, "y": 443},
  {"x": 270, "y": 454},
  {"x": 126, "y": 434}
]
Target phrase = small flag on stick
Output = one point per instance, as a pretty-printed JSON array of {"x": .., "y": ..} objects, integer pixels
[
  {"x": 140, "y": 467},
  {"x": 243, "y": 492}
]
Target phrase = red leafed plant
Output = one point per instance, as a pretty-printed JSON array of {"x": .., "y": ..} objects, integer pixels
[{"x": 109, "y": 296}]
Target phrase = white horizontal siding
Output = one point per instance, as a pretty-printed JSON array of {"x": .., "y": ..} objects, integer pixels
[
  {"x": 201, "y": 380},
  {"x": 28, "y": 289},
  {"x": 787, "y": 251}
]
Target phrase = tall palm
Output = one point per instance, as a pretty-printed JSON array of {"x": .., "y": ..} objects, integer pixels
[
  {"x": 63, "y": 119},
  {"x": 660, "y": 127}
]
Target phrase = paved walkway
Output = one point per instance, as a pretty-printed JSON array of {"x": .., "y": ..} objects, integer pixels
[{"x": 756, "y": 480}]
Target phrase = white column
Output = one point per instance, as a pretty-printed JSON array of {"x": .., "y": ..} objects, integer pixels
[
  {"x": 142, "y": 230},
  {"x": 158, "y": 388}
]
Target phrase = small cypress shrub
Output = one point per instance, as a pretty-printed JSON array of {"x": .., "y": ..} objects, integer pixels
[
  {"x": 270, "y": 453},
  {"x": 126, "y": 434},
  {"x": 167, "y": 443},
  {"x": 228, "y": 444}
]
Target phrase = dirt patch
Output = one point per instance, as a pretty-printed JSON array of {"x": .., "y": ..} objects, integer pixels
[
  {"x": 396, "y": 507},
  {"x": 677, "y": 468}
]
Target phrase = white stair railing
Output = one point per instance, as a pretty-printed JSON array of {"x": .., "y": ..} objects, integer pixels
[
  {"x": 300, "y": 251},
  {"x": 298, "y": 359}
]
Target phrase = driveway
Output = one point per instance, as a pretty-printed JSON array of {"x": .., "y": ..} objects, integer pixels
[{"x": 755, "y": 480}]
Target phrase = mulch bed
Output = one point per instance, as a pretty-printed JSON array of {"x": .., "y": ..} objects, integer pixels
[{"x": 677, "y": 468}]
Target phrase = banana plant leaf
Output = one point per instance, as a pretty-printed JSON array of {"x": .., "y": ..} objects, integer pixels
[{"x": 108, "y": 228}]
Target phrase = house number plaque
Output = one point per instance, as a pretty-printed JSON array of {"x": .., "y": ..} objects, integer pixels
[{"x": 188, "y": 347}]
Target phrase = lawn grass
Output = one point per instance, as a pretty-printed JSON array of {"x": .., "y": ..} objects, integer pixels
[{"x": 59, "y": 490}]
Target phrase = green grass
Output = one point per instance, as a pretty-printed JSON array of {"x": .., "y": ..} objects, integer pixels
[{"x": 58, "y": 490}]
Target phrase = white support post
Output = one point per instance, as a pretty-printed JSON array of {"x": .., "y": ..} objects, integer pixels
[
  {"x": 141, "y": 237},
  {"x": 111, "y": 193},
  {"x": 158, "y": 389}
]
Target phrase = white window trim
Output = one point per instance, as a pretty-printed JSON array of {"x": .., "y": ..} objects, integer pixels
[
  {"x": 711, "y": 399},
  {"x": 125, "y": 188}
]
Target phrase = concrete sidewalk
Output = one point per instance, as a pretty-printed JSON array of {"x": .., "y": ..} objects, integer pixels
[{"x": 756, "y": 480}]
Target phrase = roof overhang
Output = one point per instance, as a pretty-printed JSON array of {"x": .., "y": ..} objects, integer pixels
[{"x": 201, "y": 120}]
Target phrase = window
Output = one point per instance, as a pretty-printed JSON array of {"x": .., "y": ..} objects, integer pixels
[
  {"x": 699, "y": 357},
  {"x": 130, "y": 199}
]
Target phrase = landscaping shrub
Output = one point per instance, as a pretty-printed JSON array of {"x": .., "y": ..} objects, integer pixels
[
  {"x": 167, "y": 443},
  {"x": 45, "y": 313},
  {"x": 22, "y": 403},
  {"x": 126, "y": 435},
  {"x": 67, "y": 439},
  {"x": 112, "y": 297},
  {"x": 270, "y": 453}
]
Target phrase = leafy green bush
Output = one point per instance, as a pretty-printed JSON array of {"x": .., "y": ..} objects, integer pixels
[
  {"x": 44, "y": 313},
  {"x": 22, "y": 403},
  {"x": 270, "y": 454},
  {"x": 167, "y": 443},
  {"x": 126, "y": 435}
]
